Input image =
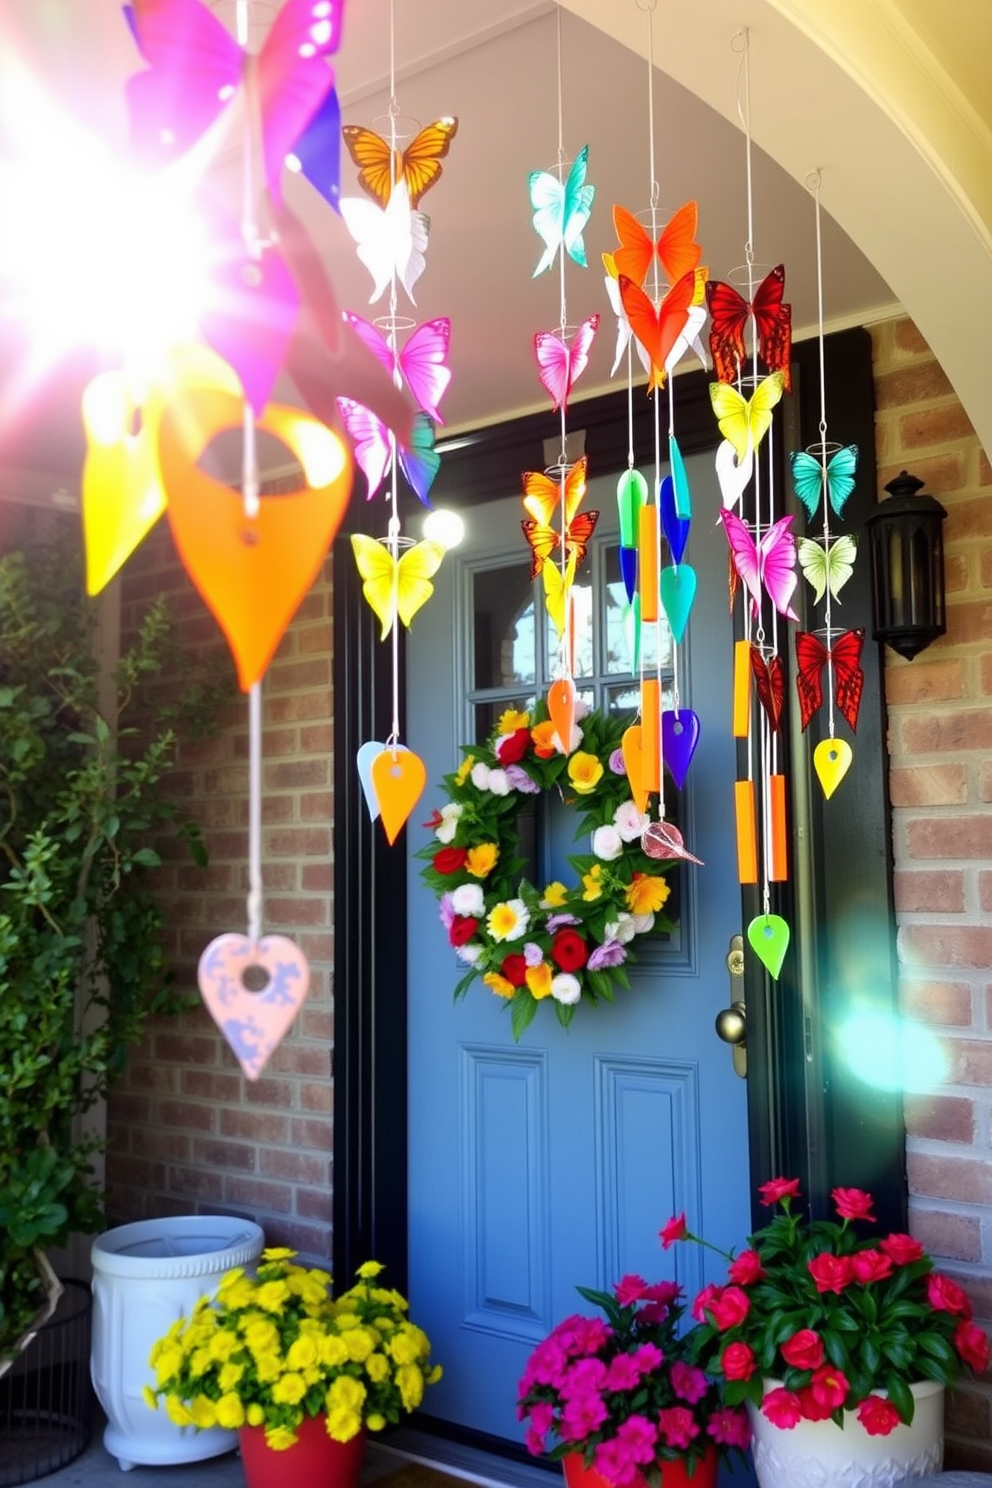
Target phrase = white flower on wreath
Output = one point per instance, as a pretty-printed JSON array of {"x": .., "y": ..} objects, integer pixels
[
  {"x": 449, "y": 822},
  {"x": 574, "y": 742},
  {"x": 469, "y": 954},
  {"x": 468, "y": 899},
  {"x": 630, "y": 822},
  {"x": 565, "y": 988},
  {"x": 499, "y": 783},
  {"x": 607, "y": 843},
  {"x": 643, "y": 924},
  {"x": 508, "y": 920},
  {"x": 480, "y": 776},
  {"x": 622, "y": 929}
]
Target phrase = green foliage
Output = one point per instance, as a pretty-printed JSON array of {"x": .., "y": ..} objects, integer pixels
[{"x": 83, "y": 812}]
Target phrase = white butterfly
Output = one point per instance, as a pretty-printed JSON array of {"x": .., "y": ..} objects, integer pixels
[{"x": 392, "y": 240}]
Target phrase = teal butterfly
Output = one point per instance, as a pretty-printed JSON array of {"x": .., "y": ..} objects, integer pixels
[
  {"x": 807, "y": 477},
  {"x": 561, "y": 211},
  {"x": 827, "y": 568}
]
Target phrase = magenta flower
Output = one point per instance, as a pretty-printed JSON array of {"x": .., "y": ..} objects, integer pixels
[
  {"x": 583, "y": 1414},
  {"x": 622, "y": 1374},
  {"x": 688, "y": 1382},
  {"x": 730, "y": 1428},
  {"x": 677, "y": 1426},
  {"x": 675, "y": 1229},
  {"x": 647, "y": 1356},
  {"x": 638, "y": 1436},
  {"x": 782, "y": 1408},
  {"x": 630, "y": 1288},
  {"x": 879, "y": 1417}
]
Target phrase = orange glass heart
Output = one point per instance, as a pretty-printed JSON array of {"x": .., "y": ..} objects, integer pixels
[{"x": 398, "y": 779}]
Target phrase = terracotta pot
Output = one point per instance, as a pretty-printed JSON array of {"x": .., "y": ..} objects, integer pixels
[
  {"x": 821, "y": 1454},
  {"x": 315, "y": 1460},
  {"x": 673, "y": 1474}
]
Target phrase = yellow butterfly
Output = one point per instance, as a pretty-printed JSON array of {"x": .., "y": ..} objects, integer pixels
[
  {"x": 396, "y": 586},
  {"x": 557, "y": 587},
  {"x": 745, "y": 422}
]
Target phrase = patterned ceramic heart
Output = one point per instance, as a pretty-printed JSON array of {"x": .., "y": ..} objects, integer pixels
[
  {"x": 254, "y": 1023},
  {"x": 662, "y": 839}
]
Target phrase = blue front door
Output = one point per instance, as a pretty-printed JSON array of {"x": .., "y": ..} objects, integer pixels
[{"x": 537, "y": 1166}]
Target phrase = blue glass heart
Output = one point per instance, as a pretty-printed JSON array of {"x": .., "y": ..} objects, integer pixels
[
  {"x": 683, "y": 500},
  {"x": 679, "y": 737},
  {"x": 628, "y": 571},
  {"x": 678, "y": 590},
  {"x": 675, "y": 528}
]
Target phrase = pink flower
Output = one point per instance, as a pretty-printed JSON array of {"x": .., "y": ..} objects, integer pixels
[
  {"x": 944, "y": 1295},
  {"x": 972, "y": 1344},
  {"x": 647, "y": 1357},
  {"x": 586, "y": 1376},
  {"x": 621, "y": 1374},
  {"x": 738, "y": 1362},
  {"x": 782, "y": 1408},
  {"x": 730, "y": 1307},
  {"x": 582, "y": 1415},
  {"x": 901, "y": 1249},
  {"x": 804, "y": 1350},
  {"x": 879, "y": 1417},
  {"x": 638, "y": 1435},
  {"x": 746, "y": 1268},
  {"x": 729, "y": 1427},
  {"x": 871, "y": 1265},
  {"x": 703, "y": 1301},
  {"x": 852, "y": 1203},
  {"x": 677, "y": 1426},
  {"x": 688, "y": 1382},
  {"x": 777, "y": 1189},
  {"x": 534, "y": 1442},
  {"x": 616, "y": 1462},
  {"x": 675, "y": 1229},
  {"x": 813, "y": 1409},
  {"x": 831, "y": 1273},
  {"x": 829, "y": 1387},
  {"x": 629, "y": 1289}
]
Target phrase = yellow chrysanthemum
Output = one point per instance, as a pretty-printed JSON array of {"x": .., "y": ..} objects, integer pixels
[
  {"x": 280, "y": 1438},
  {"x": 149, "y": 1397},
  {"x": 277, "y": 1253},
  {"x": 255, "y": 1415},
  {"x": 240, "y": 1293},
  {"x": 200, "y": 1361},
  {"x": 168, "y": 1362},
  {"x": 511, "y": 720},
  {"x": 646, "y": 895},
  {"x": 203, "y": 1413},
  {"x": 346, "y": 1319},
  {"x": 268, "y": 1366},
  {"x": 554, "y": 896},
  {"x": 435, "y": 1374},
  {"x": 538, "y": 979},
  {"x": 592, "y": 886},
  {"x": 272, "y": 1295},
  {"x": 499, "y": 984},
  {"x": 289, "y": 1390},
  {"x": 229, "y": 1375},
  {"x": 343, "y": 1424},
  {"x": 177, "y": 1412},
  {"x": 230, "y": 1412},
  {"x": 346, "y": 1393},
  {"x": 360, "y": 1343},
  {"x": 374, "y": 1421},
  {"x": 585, "y": 772},
  {"x": 223, "y": 1344},
  {"x": 333, "y": 1351},
  {"x": 464, "y": 769},
  {"x": 408, "y": 1345},
  {"x": 368, "y": 1270},
  {"x": 410, "y": 1379},
  {"x": 302, "y": 1353},
  {"x": 261, "y": 1335},
  {"x": 377, "y": 1368},
  {"x": 482, "y": 860}
]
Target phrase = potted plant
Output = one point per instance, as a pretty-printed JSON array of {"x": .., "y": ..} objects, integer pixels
[
  {"x": 818, "y": 1328},
  {"x": 83, "y": 805},
  {"x": 626, "y": 1397},
  {"x": 300, "y": 1375}
]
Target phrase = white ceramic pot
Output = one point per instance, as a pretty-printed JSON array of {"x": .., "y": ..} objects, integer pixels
[
  {"x": 820, "y": 1454},
  {"x": 146, "y": 1276}
]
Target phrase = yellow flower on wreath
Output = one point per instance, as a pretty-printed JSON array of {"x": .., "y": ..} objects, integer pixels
[
  {"x": 538, "y": 980},
  {"x": 499, "y": 984},
  {"x": 481, "y": 860},
  {"x": 511, "y": 720},
  {"x": 647, "y": 894},
  {"x": 585, "y": 772},
  {"x": 592, "y": 883},
  {"x": 464, "y": 769},
  {"x": 554, "y": 896}
]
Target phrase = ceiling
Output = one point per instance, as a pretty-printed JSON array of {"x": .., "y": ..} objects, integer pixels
[{"x": 494, "y": 64}]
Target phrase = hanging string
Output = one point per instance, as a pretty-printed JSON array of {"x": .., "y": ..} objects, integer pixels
[
  {"x": 813, "y": 181},
  {"x": 742, "y": 43}
]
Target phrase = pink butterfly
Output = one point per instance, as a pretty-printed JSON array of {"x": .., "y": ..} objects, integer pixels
[
  {"x": 560, "y": 364},
  {"x": 770, "y": 562},
  {"x": 195, "y": 67},
  {"x": 421, "y": 359},
  {"x": 419, "y": 461}
]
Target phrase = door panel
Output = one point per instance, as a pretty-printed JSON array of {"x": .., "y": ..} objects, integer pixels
[{"x": 538, "y": 1166}]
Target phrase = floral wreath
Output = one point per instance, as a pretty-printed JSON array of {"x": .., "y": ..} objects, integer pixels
[{"x": 562, "y": 943}]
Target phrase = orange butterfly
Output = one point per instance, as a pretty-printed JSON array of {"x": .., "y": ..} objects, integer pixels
[
  {"x": 677, "y": 248},
  {"x": 418, "y": 165},
  {"x": 543, "y": 496},
  {"x": 545, "y": 541},
  {"x": 544, "y": 500},
  {"x": 659, "y": 331}
]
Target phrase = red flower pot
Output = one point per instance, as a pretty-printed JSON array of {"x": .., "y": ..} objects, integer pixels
[
  {"x": 315, "y": 1460},
  {"x": 673, "y": 1474}
]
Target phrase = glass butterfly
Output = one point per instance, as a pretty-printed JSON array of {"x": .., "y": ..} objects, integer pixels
[
  {"x": 380, "y": 167},
  {"x": 676, "y": 247},
  {"x": 419, "y": 460},
  {"x": 769, "y": 682},
  {"x": 665, "y": 332},
  {"x": 810, "y": 473},
  {"x": 392, "y": 240},
  {"x": 746, "y": 421},
  {"x": 827, "y": 567},
  {"x": 844, "y": 658},
  {"x": 729, "y": 316},
  {"x": 769, "y": 562},
  {"x": 561, "y": 211},
  {"x": 396, "y": 586},
  {"x": 420, "y": 360},
  {"x": 560, "y": 363}
]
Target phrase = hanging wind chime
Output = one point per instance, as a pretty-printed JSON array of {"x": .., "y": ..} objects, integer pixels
[
  {"x": 391, "y": 234},
  {"x": 750, "y": 342}
]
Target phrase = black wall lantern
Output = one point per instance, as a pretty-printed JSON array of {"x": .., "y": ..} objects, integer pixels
[{"x": 907, "y": 567}]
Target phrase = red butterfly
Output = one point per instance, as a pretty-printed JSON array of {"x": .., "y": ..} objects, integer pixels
[
  {"x": 844, "y": 656},
  {"x": 769, "y": 680},
  {"x": 729, "y": 314}
]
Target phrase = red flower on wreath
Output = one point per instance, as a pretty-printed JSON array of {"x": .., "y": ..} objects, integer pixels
[
  {"x": 463, "y": 927},
  {"x": 514, "y": 968},
  {"x": 569, "y": 951},
  {"x": 511, "y": 750},
  {"x": 450, "y": 859}
]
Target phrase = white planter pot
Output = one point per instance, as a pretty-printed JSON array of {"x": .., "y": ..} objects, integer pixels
[
  {"x": 145, "y": 1276},
  {"x": 820, "y": 1454}
]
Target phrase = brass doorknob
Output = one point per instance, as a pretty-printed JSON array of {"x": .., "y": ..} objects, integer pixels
[{"x": 731, "y": 1024}]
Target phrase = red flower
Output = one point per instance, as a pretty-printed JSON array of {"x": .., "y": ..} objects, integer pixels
[
  {"x": 778, "y": 1188},
  {"x": 871, "y": 1265},
  {"x": 879, "y": 1417},
  {"x": 463, "y": 927},
  {"x": 729, "y": 1307},
  {"x": 703, "y": 1300},
  {"x": 901, "y": 1249},
  {"x": 677, "y": 1426},
  {"x": 513, "y": 748},
  {"x": 813, "y": 1409},
  {"x": 514, "y": 968},
  {"x": 782, "y": 1408},
  {"x": 829, "y": 1387},
  {"x": 972, "y": 1344},
  {"x": 449, "y": 859},
  {"x": 944, "y": 1295},
  {"x": 738, "y": 1361},
  {"x": 831, "y": 1273},
  {"x": 804, "y": 1350},
  {"x": 674, "y": 1230},
  {"x": 852, "y": 1203},
  {"x": 569, "y": 951},
  {"x": 746, "y": 1268},
  {"x": 629, "y": 1288}
]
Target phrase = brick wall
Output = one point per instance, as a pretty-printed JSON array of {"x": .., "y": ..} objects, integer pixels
[
  {"x": 188, "y": 1133},
  {"x": 940, "y": 738}
]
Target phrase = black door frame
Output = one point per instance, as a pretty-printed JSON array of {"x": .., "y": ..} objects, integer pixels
[{"x": 810, "y": 1117}]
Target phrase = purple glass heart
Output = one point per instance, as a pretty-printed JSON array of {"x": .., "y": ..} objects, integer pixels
[
  {"x": 675, "y": 528},
  {"x": 679, "y": 737}
]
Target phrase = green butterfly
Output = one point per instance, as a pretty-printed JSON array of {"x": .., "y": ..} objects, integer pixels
[{"x": 827, "y": 568}]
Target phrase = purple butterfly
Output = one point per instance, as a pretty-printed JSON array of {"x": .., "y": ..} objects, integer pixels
[
  {"x": 419, "y": 461},
  {"x": 420, "y": 361},
  {"x": 771, "y": 561}
]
